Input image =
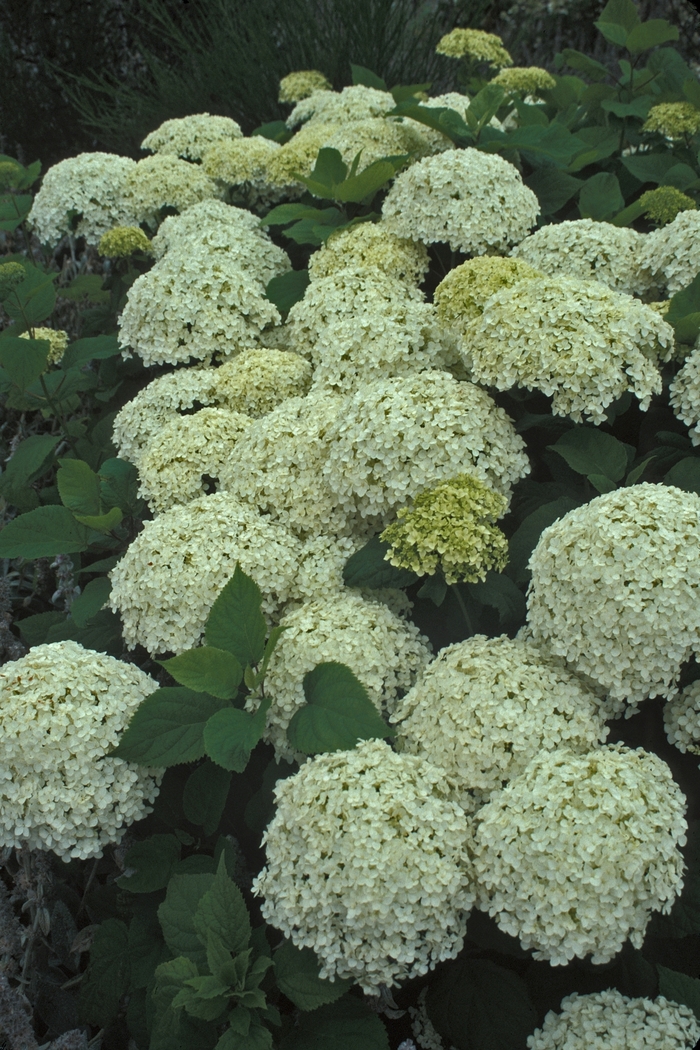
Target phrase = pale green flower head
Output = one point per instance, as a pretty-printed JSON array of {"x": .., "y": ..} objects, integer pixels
[
  {"x": 528, "y": 80},
  {"x": 450, "y": 527},
  {"x": 461, "y": 295},
  {"x": 10, "y": 172},
  {"x": 11, "y": 274},
  {"x": 664, "y": 203},
  {"x": 123, "y": 241},
  {"x": 673, "y": 119},
  {"x": 302, "y": 83},
  {"x": 55, "y": 337},
  {"x": 476, "y": 44}
]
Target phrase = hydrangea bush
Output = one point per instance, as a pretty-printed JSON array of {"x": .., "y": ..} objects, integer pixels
[{"x": 350, "y": 607}]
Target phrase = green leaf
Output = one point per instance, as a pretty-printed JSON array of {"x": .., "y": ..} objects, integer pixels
[
  {"x": 638, "y": 107},
  {"x": 101, "y": 522},
  {"x": 691, "y": 90},
  {"x": 650, "y": 34},
  {"x": 286, "y": 290},
  {"x": 403, "y": 92},
  {"x": 614, "y": 33},
  {"x": 207, "y": 670},
  {"x": 78, "y": 487},
  {"x": 94, "y": 596},
  {"x": 649, "y": 167},
  {"x": 601, "y": 482},
  {"x": 362, "y": 75},
  {"x": 634, "y": 475},
  {"x": 222, "y": 911},
  {"x": 600, "y": 142},
  {"x": 24, "y": 360},
  {"x": 552, "y": 187},
  {"x": 177, "y": 916},
  {"x": 231, "y": 734},
  {"x": 434, "y": 589},
  {"x": 685, "y": 475},
  {"x": 345, "y": 1025},
  {"x": 368, "y": 568},
  {"x": 441, "y": 118},
  {"x": 102, "y": 633},
  {"x": 107, "y": 977},
  {"x": 679, "y": 988},
  {"x": 329, "y": 169},
  {"x": 682, "y": 176},
  {"x": 147, "y": 949},
  {"x": 205, "y": 794},
  {"x": 96, "y": 348},
  {"x": 276, "y": 130},
  {"x": 85, "y": 285},
  {"x": 119, "y": 484},
  {"x": 236, "y": 622},
  {"x": 198, "y": 1003},
  {"x": 33, "y": 299},
  {"x": 14, "y": 209},
  {"x": 554, "y": 144},
  {"x": 31, "y": 459},
  {"x": 477, "y": 1005},
  {"x": 34, "y": 629},
  {"x": 588, "y": 450},
  {"x": 600, "y": 196},
  {"x": 168, "y": 728},
  {"x": 684, "y": 312},
  {"x": 501, "y": 593},
  {"x": 261, "y": 806},
  {"x": 358, "y": 187},
  {"x": 285, "y": 213},
  {"x": 256, "y": 1038},
  {"x": 43, "y": 533},
  {"x": 577, "y": 60},
  {"x": 152, "y": 861},
  {"x": 296, "y": 970},
  {"x": 337, "y": 714},
  {"x": 523, "y": 542}
]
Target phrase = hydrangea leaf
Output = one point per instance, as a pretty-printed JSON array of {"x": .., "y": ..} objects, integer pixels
[
  {"x": 222, "y": 911},
  {"x": 362, "y": 75},
  {"x": 236, "y": 622},
  {"x": 368, "y": 568},
  {"x": 43, "y": 533},
  {"x": 600, "y": 196},
  {"x": 94, "y": 348},
  {"x": 524, "y": 540},
  {"x": 588, "y": 450},
  {"x": 147, "y": 949},
  {"x": 337, "y": 714},
  {"x": 685, "y": 475},
  {"x": 679, "y": 988},
  {"x": 93, "y": 597},
  {"x": 287, "y": 289},
  {"x": 24, "y": 360},
  {"x": 231, "y": 734},
  {"x": 205, "y": 794},
  {"x": 107, "y": 977},
  {"x": 207, "y": 670},
  {"x": 296, "y": 970},
  {"x": 149, "y": 864},
  {"x": 501, "y": 593},
  {"x": 256, "y": 1038},
  {"x": 684, "y": 312},
  {"x": 31, "y": 459},
  {"x": 78, "y": 487},
  {"x": 177, "y": 916},
  {"x": 344, "y": 1025},
  {"x": 168, "y": 728},
  {"x": 651, "y": 33}
]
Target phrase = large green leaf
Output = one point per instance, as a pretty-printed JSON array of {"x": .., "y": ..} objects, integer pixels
[
  {"x": 296, "y": 970},
  {"x": 168, "y": 728},
  {"x": 93, "y": 598},
  {"x": 577, "y": 60},
  {"x": 588, "y": 450},
  {"x": 685, "y": 475},
  {"x": 147, "y": 948},
  {"x": 149, "y": 864},
  {"x": 177, "y": 916},
  {"x": 79, "y": 487},
  {"x": 649, "y": 167},
  {"x": 43, "y": 533},
  {"x": 347, "y": 1024},
  {"x": 638, "y": 107},
  {"x": 119, "y": 484},
  {"x": 600, "y": 196},
  {"x": 31, "y": 458},
  {"x": 368, "y": 568},
  {"x": 207, "y": 670},
  {"x": 33, "y": 299},
  {"x": 96, "y": 348},
  {"x": 205, "y": 794},
  {"x": 553, "y": 144},
  {"x": 357, "y": 187},
  {"x": 501, "y": 593},
  {"x": 684, "y": 312},
  {"x": 287, "y": 289},
  {"x": 650, "y": 34},
  {"x": 107, "y": 977},
  {"x": 24, "y": 360},
  {"x": 222, "y": 911},
  {"x": 231, "y": 734},
  {"x": 337, "y": 714},
  {"x": 552, "y": 187},
  {"x": 236, "y": 622},
  {"x": 362, "y": 75},
  {"x": 523, "y": 542}
]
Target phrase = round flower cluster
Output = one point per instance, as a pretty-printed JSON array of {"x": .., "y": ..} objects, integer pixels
[
  {"x": 63, "y": 710},
  {"x": 527, "y": 80},
  {"x": 298, "y": 156},
  {"x": 685, "y": 395},
  {"x": 474, "y": 201},
  {"x": 123, "y": 241},
  {"x": 474, "y": 44},
  {"x": 486, "y": 707},
  {"x": 170, "y": 576},
  {"x": 302, "y": 83},
  {"x": 663, "y": 204},
  {"x": 360, "y": 325},
  {"x": 55, "y": 337},
  {"x": 190, "y": 137},
  {"x": 377, "y": 138},
  {"x": 384, "y": 651},
  {"x": 576, "y": 839},
  {"x": 244, "y": 163},
  {"x": 371, "y": 246},
  {"x": 11, "y": 274},
  {"x": 367, "y": 864},
  {"x": 615, "y": 590},
  {"x": 578, "y": 341},
  {"x": 671, "y": 255},
  {"x": 91, "y": 186},
  {"x": 461, "y": 295},
  {"x": 587, "y": 250},
  {"x": 609, "y": 1020},
  {"x": 186, "y": 449},
  {"x": 450, "y": 528},
  {"x": 164, "y": 181},
  {"x": 341, "y": 107},
  {"x": 675, "y": 120},
  {"x": 257, "y": 380},
  {"x": 682, "y": 719}
]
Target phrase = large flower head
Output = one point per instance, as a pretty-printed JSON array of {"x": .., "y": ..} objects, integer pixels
[
  {"x": 474, "y": 44},
  {"x": 685, "y": 394},
  {"x": 63, "y": 710},
  {"x": 367, "y": 864},
  {"x": 383, "y": 650},
  {"x": 575, "y": 853},
  {"x": 578, "y": 341},
  {"x": 341, "y": 107},
  {"x": 377, "y": 137},
  {"x": 122, "y": 241},
  {"x": 663, "y": 204},
  {"x": 674, "y": 120},
  {"x": 84, "y": 194},
  {"x": 371, "y": 246},
  {"x": 476, "y": 202},
  {"x": 461, "y": 295},
  {"x": 163, "y": 181},
  {"x": 615, "y": 590},
  {"x": 243, "y": 163},
  {"x": 257, "y": 380},
  {"x": 397, "y": 437},
  {"x": 298, "y": 156},
  {"x": 191, "y": 137},
  {"x": 526, "y": 80},
  {"x": 671, "y": 254},
  {"x": 302, "y": 83}
]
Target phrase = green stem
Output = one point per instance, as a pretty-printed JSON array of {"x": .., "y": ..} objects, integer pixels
[
  {"x": 467, "y": 618},
  {"x": 59, "y": 415}
]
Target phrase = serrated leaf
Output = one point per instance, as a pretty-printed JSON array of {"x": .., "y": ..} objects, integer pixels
[
  {"x": 119, "y": 484},
  {"x": 101, "y": 522},
  {"x": 30, "y": 459},
  {"x": 33, "y": 299},
  {"x": 554, "y": 143},
  {"x": 368, "y": 568},
  {"x": 345, "y": 1025},
  {"x": 601, "y": 483},
  {"x": 588, "y": 450},
  {"x": 93, "y": 597},
  {"x": 205, "y": 795},
  {"x": 679, "y": 988},
  {"x": 231, "y": 734},
  {"x": 501, "y": 593},
  {"x": 24, "y": 360},
  {"x": 177, "y": 916},
  {"x": 43, "y": 533},
  {"x": 168, "y": 728},
  {"x": 34, "y": 629},
  {"x": 236, "y": 622},
  {"x": 256, "y": 1038},
  {"x": 434, "y": 589},
  {"x": 296, "y": 970},
  {"x": 78, "y": 487},
  {"x": 107, "y": 977},
  {"x": 222, "y": 911},
  {"x": 337, "y": 714},
  {"x": 523, "y": 542},
  {"x": 207, "y": 670},
  {"x": 95, "y": 348},
  {"x": 152, "y": 861},
  {"x": 600, "y": 197},
  {"x": 287, "y": 289}
]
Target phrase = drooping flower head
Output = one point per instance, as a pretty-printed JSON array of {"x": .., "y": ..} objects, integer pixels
[
  {"x": 191, "y": 137},
  {"x": 302, "y": 83},
  {"x": 475, "y": 44},
  {"x": 610, "y": 1019}
]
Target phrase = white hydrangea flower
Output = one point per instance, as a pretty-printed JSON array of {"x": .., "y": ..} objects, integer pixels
[
  {"x": 615, "y": 590},
  {"x": 297, "y": 157},
  {"x": 243, "y": 163},
  {"x": 184, "y": 450},
  {"x": 341, "y": 107},
  {"x": 377, "y": 137},
  {"x": 578, "y": 341},
  {"x": 320, "y": 573},
  {"x": 474, "y": 201},
  {"x": 63, "y": 710},
  {"x": 588, "y": 250},
  {"x": 359, "y": 325},
  {"x": 685, "y": 394},
  {"x": 369, "y": 245},
  {"x": 367, "y": 864},
  {"x": 611, "y": 1021},
  {"x": 91, "y": 185},
  {"x": 257, "y": 380},
  {"x": 191, "y": 137},
  {"x": 170, "y": 576},
  {"x": 486, "y": 706},
  {"x": 383, "y": 651},
  {"x": 575, "y": 853},
  {"x": 397, "y": 437},
  {"x": 163, "y": 181},
  {"x": 682, "y": 719},
  {"x": 671, "y": 254},
  {"x": 194, "y": 305}
]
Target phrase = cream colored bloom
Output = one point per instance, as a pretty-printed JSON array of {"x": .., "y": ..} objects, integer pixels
[
  {"x": 164, "y": 181},
  {"x": 685, "y": 394},
  {"x": 475, "y": 44},
  {"x": 341, "y": 107},
  {"x": 608, "y": 1021},
  {"x": 302, "y": 83},
  {"x": 56, "y": 338},
  {"x": 377, "y": 137},
  {"x": 673, "y": 119},
  {"x": 682, "y": 719},
  {"x": 243, "y": 163},
  {"x": 461, "y": 295},
  {"x": 91, "y": 186},
  {"x": 527, "y": 80},
  {"x": 369, "y": 245},
  {"x": 191, "y": 137},
  {"x": 298, "y": 156},
  {"x": 671, "y": 255},
  {"x": 123, "y": 241}
]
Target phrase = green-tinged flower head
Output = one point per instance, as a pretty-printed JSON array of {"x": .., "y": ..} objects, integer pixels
[
  {"x": 474, "y": 43},
  {"x": 10, "y": 172},
  {"x": 11, "y": 274},
  {"x": 302, "y": 83},
  {"x": 450, "y": 527},
  {"x": 56, "y": 338},
  {"x": 664, "y": 203},
  {"x": 673, "y": 119},
  {"x": 528, "y": 80},
  {"x": 461, "y": 295},
  {"x": 123, "y": 241}
]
